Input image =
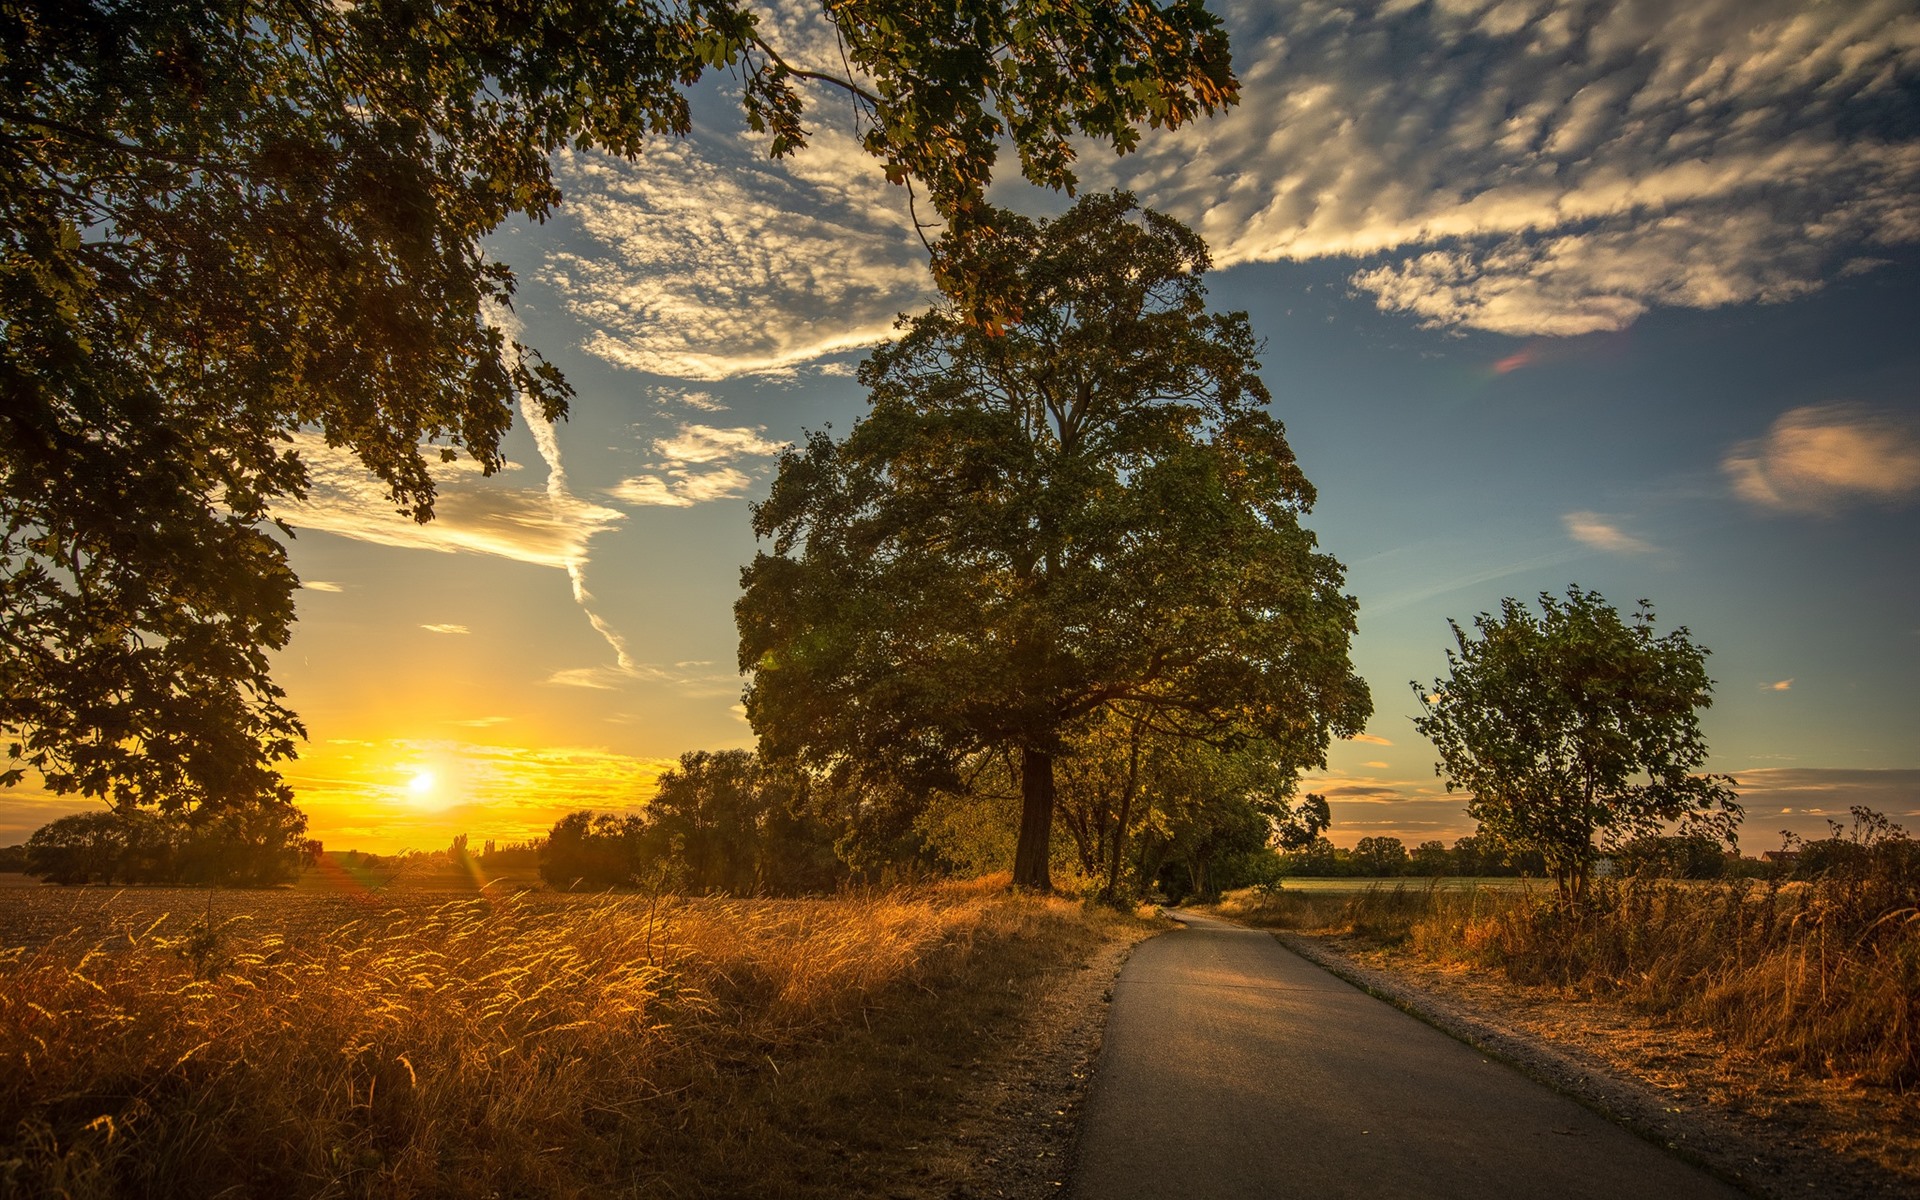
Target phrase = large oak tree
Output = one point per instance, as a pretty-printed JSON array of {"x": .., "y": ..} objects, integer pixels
[
  {"x": 223, "y": 222},
  {"x": 1086, "y": 508}
]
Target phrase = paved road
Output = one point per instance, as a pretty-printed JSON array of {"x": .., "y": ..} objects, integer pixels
[{"x": 1235, "y": 1068}]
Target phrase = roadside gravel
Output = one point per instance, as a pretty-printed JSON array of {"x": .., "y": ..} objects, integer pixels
[{"x": 1019, "y": 1141}]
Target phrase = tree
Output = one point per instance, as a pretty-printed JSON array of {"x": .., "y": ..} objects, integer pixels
[
  {"x": 254, "y": 845},
  {"x": 725, "y": 821},
  {"x": 233, "y": 224},
  {"x": 591, "y": 850},
  {"x": 1431, "y": 859},
  {"x": 1572, "y": 724},
  {"x": 1381, "y": 856},
  {"x": 1088, "y": 509}
]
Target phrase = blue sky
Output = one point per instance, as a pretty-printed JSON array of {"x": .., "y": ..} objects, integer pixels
[{"x": 1622, "y": 294}]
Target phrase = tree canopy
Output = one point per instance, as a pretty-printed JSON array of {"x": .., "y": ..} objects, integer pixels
[
  {"x": 1574, "y": 724},
  {"x": 1091, "y": 507},
  {"x": 227, "y": 223}
]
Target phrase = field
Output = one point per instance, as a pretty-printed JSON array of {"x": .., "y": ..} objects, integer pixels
[{"x": 420, "y": 1041}]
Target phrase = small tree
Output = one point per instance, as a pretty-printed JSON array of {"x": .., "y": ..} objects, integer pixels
[{"x": 1574, "y": 724}]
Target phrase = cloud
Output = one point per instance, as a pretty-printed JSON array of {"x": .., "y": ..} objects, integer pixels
[
  {"x": 1821, "y": 459},
  {"x": 1525, "y": 167},
  {"x": 706, "y": 444},
  {"x": 706, "y": 260},
  {"x": 1592, "y": 529},
  {"x": 1556, "y": 169},
  {"x": 689, "y": 472},
  {"x": 1783, "y": 685},
  {"x": 446, "y": 629},
  {"x": 470, "y": 515},
  {"x": 1803, "y": 798},
  {"x": 1370, "y": 739},
  {"x": 320, "y": 585}
]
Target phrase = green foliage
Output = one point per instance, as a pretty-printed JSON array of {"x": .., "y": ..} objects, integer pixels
[
  {"x": 1692, "y": 856},
  {"x": 252, "y": 845},
  {"x": 1089, "y": 509},
  {"x": 720, "y": 822},
  {"x": 727, "y": 822},
  {"x": 1574, "y": 724},
  {"x": 1431, "y": 859},
  {"x": 1381, "y": 856},
  {"x": 1872, "y": 846},
  {"x": 228, "y": 225}
]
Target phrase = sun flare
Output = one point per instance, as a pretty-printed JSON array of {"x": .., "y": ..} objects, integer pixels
[{"x": 421, "y": 783}]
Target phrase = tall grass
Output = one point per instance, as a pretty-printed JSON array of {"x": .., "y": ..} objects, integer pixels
[
  {"x": 477, "y": 1048},
  {"x": 1824, "y": 974}
]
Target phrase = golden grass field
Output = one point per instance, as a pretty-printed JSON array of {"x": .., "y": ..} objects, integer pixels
[
  {"x": 422, "y": 1043},
  {"x": 1824, "y": 975}
]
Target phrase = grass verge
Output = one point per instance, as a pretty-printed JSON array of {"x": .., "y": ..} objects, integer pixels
[
  {"x": 1823, "y": 975},
  {"x": 526, "y": 1047}
]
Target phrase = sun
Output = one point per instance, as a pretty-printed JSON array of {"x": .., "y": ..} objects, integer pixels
[{"x": 421, "y": 783}]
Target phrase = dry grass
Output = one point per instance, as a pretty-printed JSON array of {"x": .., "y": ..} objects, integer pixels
[
  {"x": 1822, "y": 975},
  {"x": 530, "y": 1046}
]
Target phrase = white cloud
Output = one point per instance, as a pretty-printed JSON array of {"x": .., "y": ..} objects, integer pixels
[
  {"x": 706, "y": 260},
  {"x": 1564, "y": 167},
  {"x": 689, "y": 472},
  {"x": 1593, "y": 529},
  {"x": 682, "y": 489},
  {"x": 320, "y": 585},
  {"x": 1819, "y": 459},
  {"x": 446, "y": 629},
  {"x": 471, "y": 515},
  {"x": 1523, "y": 167},
  {"x": 706, "y": 444}
]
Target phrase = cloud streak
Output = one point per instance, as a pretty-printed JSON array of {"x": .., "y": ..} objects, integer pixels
[{"x": 470, "y": 515}]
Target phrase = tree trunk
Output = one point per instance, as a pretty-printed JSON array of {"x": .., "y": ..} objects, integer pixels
[
  {"x": 1126, "y": 804},
  {"x": 1032, "y": 854}
]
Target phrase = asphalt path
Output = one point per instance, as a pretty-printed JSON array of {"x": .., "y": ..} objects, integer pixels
[{"x": 1233, "y": 1067}]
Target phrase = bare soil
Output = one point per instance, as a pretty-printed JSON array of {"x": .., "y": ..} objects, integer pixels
[{"x": 1756, "y": 1123}]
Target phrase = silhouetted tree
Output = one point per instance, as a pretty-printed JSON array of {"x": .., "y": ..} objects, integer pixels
[
  {"x": 1381, "y": 856},
  {"x": 233, "y": 224},
  {"x": 593, "y": 851},
  {"x": 1573, "y": 724},
  {"x": 1089, "y": 508},
  {"x": 724, "y": 821}
]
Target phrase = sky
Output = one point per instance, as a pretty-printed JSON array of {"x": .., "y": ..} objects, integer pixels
[{"x": 1618, "y": 294}]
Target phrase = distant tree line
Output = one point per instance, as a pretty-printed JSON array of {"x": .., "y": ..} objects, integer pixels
[{"x": 253, "y": 846}]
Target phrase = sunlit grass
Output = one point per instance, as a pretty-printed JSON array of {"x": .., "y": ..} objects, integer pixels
[
  {"x": 533, "y": 1046},
  {"x": 1825, "y": 975}
]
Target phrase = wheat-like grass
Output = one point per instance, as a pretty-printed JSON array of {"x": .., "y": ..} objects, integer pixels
[
  {"x": 515, "y": 1046},
  {"x": 1824, "y": 974}
]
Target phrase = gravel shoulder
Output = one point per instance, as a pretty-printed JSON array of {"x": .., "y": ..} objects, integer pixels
[
  {"x": 1016, "y": 1136},
  {"x": 1753, "y": 1123}
]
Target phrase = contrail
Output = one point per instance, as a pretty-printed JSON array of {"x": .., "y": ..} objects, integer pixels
[{"x": 563, "y": 500}]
